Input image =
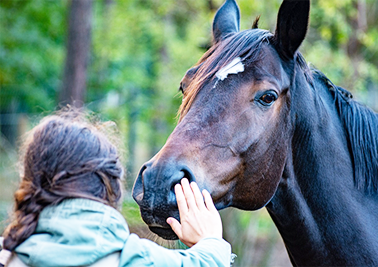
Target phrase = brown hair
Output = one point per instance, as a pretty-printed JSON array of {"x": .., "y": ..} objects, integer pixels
[{"x": 64, "y": 157}]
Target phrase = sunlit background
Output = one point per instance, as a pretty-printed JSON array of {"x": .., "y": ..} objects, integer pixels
[{"x": 137, "y": 52}]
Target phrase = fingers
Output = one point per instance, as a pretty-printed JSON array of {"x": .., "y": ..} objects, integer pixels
[
  {"x": 198, "y": 216},
  {"x": 197, "y": 195},
  {"x": 208, "y": 200},
  {"x": 189, "y": 196},
  {"x": 176, "y": 226},
  {"x": 180, "y": 198}
]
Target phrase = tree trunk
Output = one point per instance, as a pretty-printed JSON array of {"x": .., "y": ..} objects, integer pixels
[
  {"x": 358, "y": 24},
  {"x": 78, "y": 46}
]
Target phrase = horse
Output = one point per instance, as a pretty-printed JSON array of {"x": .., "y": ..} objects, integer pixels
[{"x": 259, "y": 128}]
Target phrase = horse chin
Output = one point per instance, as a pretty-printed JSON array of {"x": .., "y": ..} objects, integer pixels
[
  {"x": 157, "y": 223},
  {"x": 166, "y": 233}
]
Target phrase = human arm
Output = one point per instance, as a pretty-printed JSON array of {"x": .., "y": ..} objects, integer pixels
[{"x": 209, "y": 252}]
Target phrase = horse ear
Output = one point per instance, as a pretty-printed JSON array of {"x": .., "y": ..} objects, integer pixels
[
  {"x": 226, "y": 20},
  {"x": 292, "y": 24}
]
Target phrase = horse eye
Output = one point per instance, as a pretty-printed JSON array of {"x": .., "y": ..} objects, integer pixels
[
  {"x": 181, "y": 89},
  {"x": 268, "y": 98},
  {"x": 188, "y": 78}
]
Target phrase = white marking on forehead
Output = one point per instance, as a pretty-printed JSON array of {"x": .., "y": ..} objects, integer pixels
[{"x": 234, "y": 67}]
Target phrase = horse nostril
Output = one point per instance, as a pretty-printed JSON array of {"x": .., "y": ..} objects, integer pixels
[
  {"x": 138, "y": 187},
  {"x": 144, "y": 167},
  {"x": 188, "y": 174},
  {"x": 185, "y": 172},
  {"x": 155, "y": 184}
]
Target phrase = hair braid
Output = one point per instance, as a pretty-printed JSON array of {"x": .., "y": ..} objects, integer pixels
[{"x": 26, "y": 215}]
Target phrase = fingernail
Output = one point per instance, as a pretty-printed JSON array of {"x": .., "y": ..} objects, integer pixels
[{"x": 169, "y": 220}]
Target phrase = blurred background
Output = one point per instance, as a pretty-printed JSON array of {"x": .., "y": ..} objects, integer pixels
[{"x": 124, "y": 59}]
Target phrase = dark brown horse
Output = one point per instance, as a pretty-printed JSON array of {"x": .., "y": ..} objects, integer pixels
[{"x": 257, "y": 129}]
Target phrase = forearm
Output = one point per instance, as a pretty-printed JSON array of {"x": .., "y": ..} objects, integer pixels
[{"x": 209, "y": 252}]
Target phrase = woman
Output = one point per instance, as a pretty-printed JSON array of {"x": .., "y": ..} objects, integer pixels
[{"x": 66, "y": 207}]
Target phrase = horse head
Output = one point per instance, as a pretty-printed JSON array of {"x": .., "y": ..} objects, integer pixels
[{"x": 235, "y": 124}]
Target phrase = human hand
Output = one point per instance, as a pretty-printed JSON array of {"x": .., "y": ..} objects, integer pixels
[{"x": 199, "y": 218}]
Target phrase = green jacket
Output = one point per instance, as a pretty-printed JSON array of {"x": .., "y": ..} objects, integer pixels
[{"x": 79, "y": 232}]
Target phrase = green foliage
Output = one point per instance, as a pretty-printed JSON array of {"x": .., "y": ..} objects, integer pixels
[
  {"x": 31, "y": 53},
  {"x": 334, "y": 25},
  {"x": 130, "y": 211}
]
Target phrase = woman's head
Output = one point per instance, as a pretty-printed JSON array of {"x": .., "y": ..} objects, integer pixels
[{"x": 64, "y": 157}]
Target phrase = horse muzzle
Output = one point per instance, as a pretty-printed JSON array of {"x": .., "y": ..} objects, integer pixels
[{"x": 154, "y": 193}]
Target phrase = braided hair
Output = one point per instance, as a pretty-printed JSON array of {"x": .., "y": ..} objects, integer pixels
[{"x": 64, "y": 157}]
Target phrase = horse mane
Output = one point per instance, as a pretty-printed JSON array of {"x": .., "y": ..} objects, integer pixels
[{"x": 361, "y": 126}]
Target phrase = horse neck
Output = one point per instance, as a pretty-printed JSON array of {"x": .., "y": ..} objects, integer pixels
[{"x": 317, "y": 208}]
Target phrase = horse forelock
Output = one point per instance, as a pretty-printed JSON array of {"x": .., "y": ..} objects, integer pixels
[{"x": 245, "y": 44}]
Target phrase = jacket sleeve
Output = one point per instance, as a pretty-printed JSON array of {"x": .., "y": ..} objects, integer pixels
[{"x": 209, "y": 252}]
